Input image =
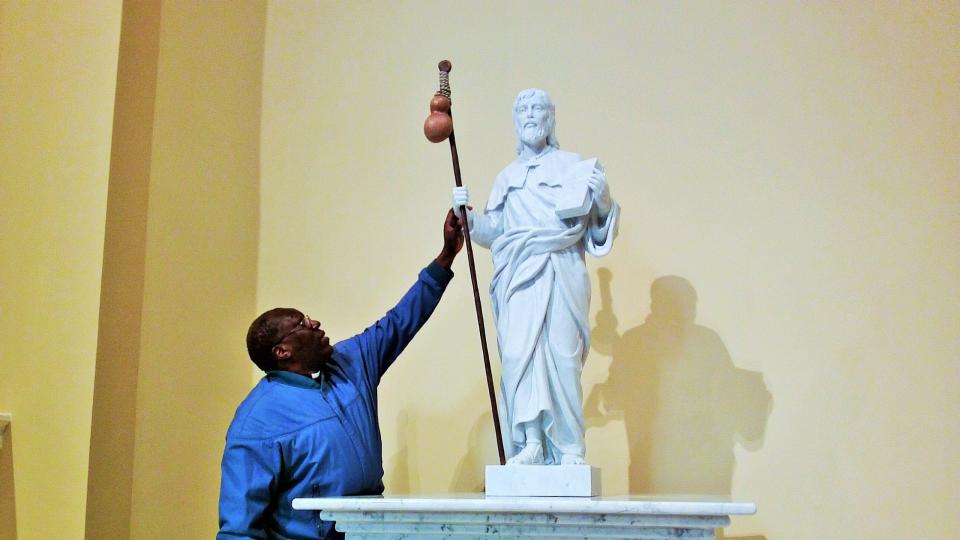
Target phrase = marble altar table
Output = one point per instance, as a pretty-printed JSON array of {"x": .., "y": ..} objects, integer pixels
[{"x": 476, "y": 516}]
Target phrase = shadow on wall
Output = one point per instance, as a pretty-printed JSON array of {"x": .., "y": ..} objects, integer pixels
[
  {"x": 480, "y": 451},
  {"x": 682, "y": 401},
  {"x": 400, "y": 463},
  {"x": 8, "y": 507}
]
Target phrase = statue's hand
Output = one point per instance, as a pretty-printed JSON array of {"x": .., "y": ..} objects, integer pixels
[
  {"x": 601, "y": 192},
  {"x": 461, "y": 197}
]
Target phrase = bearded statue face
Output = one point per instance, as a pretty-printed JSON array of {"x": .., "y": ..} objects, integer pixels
[{"x": 533, "y": 118}]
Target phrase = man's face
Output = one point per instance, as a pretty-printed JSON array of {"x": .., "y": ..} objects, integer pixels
[
  {"x": 531, "y": 117},
  {"x": 307, "y": 343}
]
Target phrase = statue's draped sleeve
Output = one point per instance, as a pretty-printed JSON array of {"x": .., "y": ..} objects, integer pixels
[
  {"x": 600, "y": 234},
  {"x": 486, "y": 227}
]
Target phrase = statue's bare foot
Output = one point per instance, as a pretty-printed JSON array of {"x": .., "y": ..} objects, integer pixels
[
  {"x": 571, "y": 459},
  {"x": 532, "y": 454}
]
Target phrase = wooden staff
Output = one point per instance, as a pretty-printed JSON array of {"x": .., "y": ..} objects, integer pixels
[{"x": 439, "y": 126}]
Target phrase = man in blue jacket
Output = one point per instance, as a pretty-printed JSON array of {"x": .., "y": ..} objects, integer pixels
[{"x": 309, "y": 428}]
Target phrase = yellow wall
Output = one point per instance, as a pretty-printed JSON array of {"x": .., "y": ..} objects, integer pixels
[
  {"x": 58, "y": 64},
  {"x": 793, "y": 167},
  {"x": 789, "y": 182}
]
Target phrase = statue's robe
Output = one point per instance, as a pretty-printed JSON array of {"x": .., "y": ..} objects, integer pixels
[{"x": 541, "y": 299}]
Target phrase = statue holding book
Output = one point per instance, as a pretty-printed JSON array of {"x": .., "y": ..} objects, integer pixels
[{"x": 546, "y": 210}]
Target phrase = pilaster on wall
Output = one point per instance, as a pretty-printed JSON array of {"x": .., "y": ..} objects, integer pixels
[
  {"x": 121, "y": 297},
  {"x": 179, "y": 281}
]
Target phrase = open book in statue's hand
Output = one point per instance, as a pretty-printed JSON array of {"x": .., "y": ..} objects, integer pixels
[{"x": 575, "y": 198}]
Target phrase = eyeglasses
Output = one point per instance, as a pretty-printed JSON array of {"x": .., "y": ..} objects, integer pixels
[{"x": 300, "y": 326}]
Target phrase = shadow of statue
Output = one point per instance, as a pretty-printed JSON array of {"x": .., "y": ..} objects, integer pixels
[
  {"x": 399, "y": 463},
  {"x": 8, "y": 507},
  {"x": 469, "y": 476},
  {"x": 683, "y": 402}
]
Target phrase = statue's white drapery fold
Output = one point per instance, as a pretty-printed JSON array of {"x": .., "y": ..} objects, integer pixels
[{"x": 541, "y": 298}]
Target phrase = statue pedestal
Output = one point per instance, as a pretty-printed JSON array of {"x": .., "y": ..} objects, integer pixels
[
  {"x": 542, "y": 481},
  {"x": 558, "y": 518}
]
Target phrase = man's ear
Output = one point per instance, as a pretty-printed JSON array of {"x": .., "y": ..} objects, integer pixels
[{"x": 281, "y": 353}]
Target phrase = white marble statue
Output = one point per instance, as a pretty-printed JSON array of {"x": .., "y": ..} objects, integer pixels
[{"x": 540, "y": 287}]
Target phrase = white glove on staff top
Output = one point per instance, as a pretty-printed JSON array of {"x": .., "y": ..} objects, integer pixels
[{"x": 461, "y": 197}]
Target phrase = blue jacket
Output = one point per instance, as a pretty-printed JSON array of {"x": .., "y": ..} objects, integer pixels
[{"x": 298, "y": 437}]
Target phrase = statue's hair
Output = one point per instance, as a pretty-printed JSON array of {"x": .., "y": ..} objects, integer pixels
[
  {"x": 551, "y": 126},
  {"x": 264, "y": 333}
]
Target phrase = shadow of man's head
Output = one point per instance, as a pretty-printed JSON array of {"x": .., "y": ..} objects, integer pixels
[{"x": 673, "y": 299}]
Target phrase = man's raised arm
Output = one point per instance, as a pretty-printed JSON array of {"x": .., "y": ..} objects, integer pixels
[{"x": 381, "y": 343}]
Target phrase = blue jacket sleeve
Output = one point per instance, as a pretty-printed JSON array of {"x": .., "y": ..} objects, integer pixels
[
  {"x": 249, "y": 477},
  {"x": 381, "y": 343}
]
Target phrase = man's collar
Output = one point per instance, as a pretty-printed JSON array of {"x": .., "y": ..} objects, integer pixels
[{"x": 295, "y": 379}]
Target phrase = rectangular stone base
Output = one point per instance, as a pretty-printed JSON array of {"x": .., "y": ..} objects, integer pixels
[{"x": 542, "y": 481}]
